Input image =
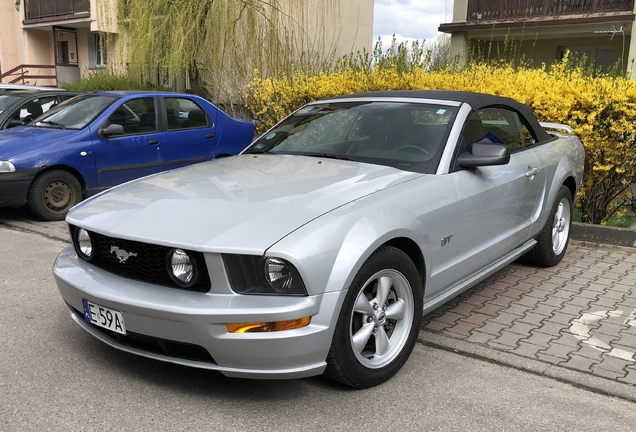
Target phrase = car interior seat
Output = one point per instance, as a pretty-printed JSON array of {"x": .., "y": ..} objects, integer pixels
[{"x": 35, "y": 111}]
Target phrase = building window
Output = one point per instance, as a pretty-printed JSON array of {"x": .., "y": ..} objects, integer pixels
[{"x": 98, "y": 51}]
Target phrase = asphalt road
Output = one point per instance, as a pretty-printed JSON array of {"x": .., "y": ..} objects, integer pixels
[{"x": 54, "y": 376}]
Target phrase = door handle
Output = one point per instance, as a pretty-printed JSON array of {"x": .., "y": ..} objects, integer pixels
[
  {"x": 210, "y": 135},
  {"x": 532, "y": 172},
  {"x": 153, "y": 141}
]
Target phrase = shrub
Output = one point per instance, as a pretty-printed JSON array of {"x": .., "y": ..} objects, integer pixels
[
  {"x": 601, "y": 109},
  {"x": 107, "y": 79}
]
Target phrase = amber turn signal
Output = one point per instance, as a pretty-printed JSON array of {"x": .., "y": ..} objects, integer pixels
[{"x": 268, "y": 326}]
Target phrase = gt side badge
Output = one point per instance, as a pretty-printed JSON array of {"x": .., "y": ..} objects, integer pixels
[{"x": 446, "y": 240}]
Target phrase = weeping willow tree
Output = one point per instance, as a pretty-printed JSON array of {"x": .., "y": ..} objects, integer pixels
[{"x": 220, "y": 44}]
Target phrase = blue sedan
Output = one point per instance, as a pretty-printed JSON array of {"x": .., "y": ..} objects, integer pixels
[{"x": 98, "y": 140}]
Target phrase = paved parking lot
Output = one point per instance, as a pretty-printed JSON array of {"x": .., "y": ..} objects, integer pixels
[{"x": 579, "y": 317}]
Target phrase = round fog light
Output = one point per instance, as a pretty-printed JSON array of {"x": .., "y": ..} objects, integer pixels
[
  {"x": 84, "y": 244},
  {"x": 182, "y": 267}
]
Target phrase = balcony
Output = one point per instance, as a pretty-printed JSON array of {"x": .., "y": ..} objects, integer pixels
[
  {"x": 511, "y": 10},
  {"x": 39, "y": 10}
]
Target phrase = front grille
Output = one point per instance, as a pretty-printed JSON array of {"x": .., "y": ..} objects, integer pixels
[
  {"x": 143, "y": 261},
  {"x": 155, "y": 345}
]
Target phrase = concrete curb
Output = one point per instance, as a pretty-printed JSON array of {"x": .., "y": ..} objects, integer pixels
[
  {"x": 603, "y": 234},
  {"x": 40, "y": 228},
  {"x": 559, "y": 373}
]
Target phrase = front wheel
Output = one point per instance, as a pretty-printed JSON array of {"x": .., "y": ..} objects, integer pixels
[
  {"x": 555, "y": 236},
  {"x": 53, "y": 193},
  {"x": 379, "y": 321}
]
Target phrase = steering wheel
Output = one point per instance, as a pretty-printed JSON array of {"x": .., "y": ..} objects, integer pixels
[{"x": 410, "y": 148}]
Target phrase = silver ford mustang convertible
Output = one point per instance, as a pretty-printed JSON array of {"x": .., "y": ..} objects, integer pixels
[{"x": 320, "y": 247}]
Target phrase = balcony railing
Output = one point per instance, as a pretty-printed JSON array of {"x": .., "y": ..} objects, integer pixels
[
  {"x": 37, "y": 9},
  {"x": 488, "y": 10}
]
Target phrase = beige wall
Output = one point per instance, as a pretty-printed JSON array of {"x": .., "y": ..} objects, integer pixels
[{"x": 11, "y": 53}]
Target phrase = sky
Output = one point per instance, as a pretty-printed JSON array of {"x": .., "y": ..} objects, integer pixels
[{"x": 410, "y": 19}]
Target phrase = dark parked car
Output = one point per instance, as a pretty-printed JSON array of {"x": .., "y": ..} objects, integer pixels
[
  {"x": 94, "y": 141},
  {"x": 20, "y": 107}
]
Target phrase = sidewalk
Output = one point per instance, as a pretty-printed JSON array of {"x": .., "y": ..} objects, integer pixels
[{"x": 579, "y": 315}]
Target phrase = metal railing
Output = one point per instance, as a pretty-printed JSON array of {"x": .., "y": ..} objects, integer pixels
[
  {"x": 31, "y": 74},
  {"x": 479, "y": 10},
  {"x": 37, "y": 9}
]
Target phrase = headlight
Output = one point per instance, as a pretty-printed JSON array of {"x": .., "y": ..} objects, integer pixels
[
  {"x": 268, "y": 275},
  {"x": 6, "y": 167},
  {"x": 83, "y": 244},
  {"x": 183, "y": 268}
]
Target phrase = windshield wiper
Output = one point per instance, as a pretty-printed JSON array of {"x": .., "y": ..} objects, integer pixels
[
  {"x": 52, "y": 123},
  {"x": 326, "y": 156}
]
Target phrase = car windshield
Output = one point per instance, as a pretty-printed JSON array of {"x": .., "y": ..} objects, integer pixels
[
  {"x": 405, "y": 135},
  {"x": 8, "y": 99},
  {"x": 76, "y": 112}
]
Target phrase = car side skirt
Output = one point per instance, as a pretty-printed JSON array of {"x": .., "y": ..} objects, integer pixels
[{"x": 432, "y": 304}]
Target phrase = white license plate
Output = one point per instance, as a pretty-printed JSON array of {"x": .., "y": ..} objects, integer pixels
[{"x": 104, "y": 317}]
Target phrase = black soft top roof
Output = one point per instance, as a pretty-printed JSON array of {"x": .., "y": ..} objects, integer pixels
[{"x": 475, "y": 100}]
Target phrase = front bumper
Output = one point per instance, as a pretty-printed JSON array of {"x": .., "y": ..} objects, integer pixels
[
  {"x": 172, "y": 316},
  {"x": 14, "y": 187}
]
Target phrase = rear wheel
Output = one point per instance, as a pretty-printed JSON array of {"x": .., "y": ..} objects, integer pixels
[
  {"x": 379, "y": 321},
  {"x": 53, "y": 193},
  {"x": 553, "y": 241}
]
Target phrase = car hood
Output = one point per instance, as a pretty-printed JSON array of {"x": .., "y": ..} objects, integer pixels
[
  {"x": 17, "y": 140},
  {"x": 240, "y": 204}
]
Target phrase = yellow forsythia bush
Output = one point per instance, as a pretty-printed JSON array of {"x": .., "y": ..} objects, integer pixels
[{"x": 601, "y": 110}]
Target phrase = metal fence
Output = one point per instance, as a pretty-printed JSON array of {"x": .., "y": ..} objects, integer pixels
[
  {"x": 513, "y": 9},
  {"x": 36, "y": 9}
]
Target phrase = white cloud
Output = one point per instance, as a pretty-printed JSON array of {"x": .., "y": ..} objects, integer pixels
[{"x": 410, "y": 19}]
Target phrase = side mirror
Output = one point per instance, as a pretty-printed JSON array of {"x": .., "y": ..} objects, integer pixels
[
  {"x": 14, "y": 123},
  {"x": 484, "y": 155},
  {"x": 112, "y": 130}
]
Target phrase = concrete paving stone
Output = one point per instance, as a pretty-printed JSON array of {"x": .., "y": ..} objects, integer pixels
[
  {"x": 573, "y": 310},
  {"x": 615, "y": 364},
  {"x": 488, "y": 309},
  {"x": 499, "y": 346},
  {"x": 532, "y": 318},
  {"x": 558, "y": 351},
  {"x": 528, "y": 287},
  {"x": 588, "y": 352},
  {"x": 539, "y": 293},
  {"x": 512, "y": 293},
  {"x": 536, "y": 280},
  {"x": 549, "y": 359},
  {"x": 604, "y": 303},
  {"x": 522, "y": 328},
  {"x": 528, "y": 301},
  {"x": 506, "y": 318},
  {"x": 630, "y": 378},
  {"x": 502, "y": 300},
  {"x": 564, "y": 294},
  {"x": 596, "y": 370},
  {"x": 618, "y": 295},
  {"x": 450, "y": 317},
  {"x": 553, "y": 301},
  {"x": 623, "y": 288},
  {"x": 477, "y": 299},
  {"x": 561, "y": 318},
  {"x": 437, "y": 325},
  {"x": 493, "y": 328},
  {"x": 551, "y": 328},
  {"x": 463, "y": 308},
  {"x": 518, "y": 309},
  {"x": 572, "y": 287},
  {"x": 540, "y": 339},
  {"x": 476, "y": 319},
  {"x": 629, "y": 302},
  {"x": 587, "y": 293},
  {"x": 527, "y": 349},
  {"x": 543, "y": 309},
  {"x": 627, "y": 339},
  {"x": 579, "y": 301},
  {"x": 569, "y": 340},
  {"x": 628, "y": 278},
  {"x": 579, "y": 363},
  {"x": 610, "y": 329},
  {"x": 479, "y": 337},
  {"x": 597, "y": 287},
  {"x": 559, "y": 280}
]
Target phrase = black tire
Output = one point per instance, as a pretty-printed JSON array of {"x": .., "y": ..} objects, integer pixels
[
  {"x": 553, "y": 241},
  {"x": 53, "y": 193},
  {"x": 367, "y": 315}
]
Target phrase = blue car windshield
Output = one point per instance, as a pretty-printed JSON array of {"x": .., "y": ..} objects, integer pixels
[
  {"x": 409, "y": 136},
  {"x": 75, "y": 113}
]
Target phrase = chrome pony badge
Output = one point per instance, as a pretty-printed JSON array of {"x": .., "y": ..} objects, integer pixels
[{"x": 121, "y": 254}]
